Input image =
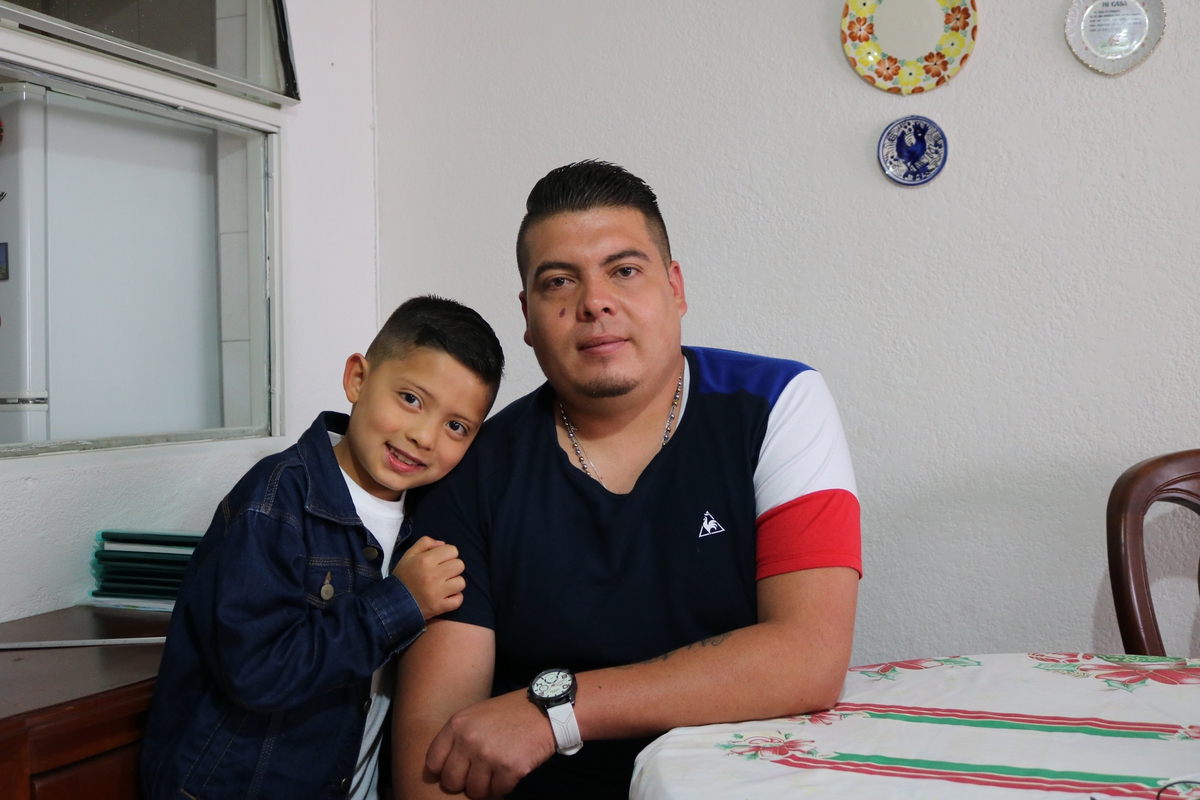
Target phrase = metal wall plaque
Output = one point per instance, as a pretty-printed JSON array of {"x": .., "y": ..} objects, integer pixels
[{"x": 1114, "y": 36}]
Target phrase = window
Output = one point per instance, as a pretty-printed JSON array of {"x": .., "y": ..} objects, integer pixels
[
  {"x": 136, "y": 259},
  {"x": 238, "y": 46}
]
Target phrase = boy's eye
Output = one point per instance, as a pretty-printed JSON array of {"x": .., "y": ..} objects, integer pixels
[
  {"x": 457, "y": 427},
  {"x": 410, "y": 398}
]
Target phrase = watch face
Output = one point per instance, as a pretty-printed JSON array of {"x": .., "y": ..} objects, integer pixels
[{"x": 552, "y": 684}]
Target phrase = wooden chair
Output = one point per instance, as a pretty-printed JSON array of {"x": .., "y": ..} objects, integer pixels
[{"x": 1173, "y": 478}]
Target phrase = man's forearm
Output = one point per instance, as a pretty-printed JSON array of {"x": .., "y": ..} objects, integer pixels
[
  {"x": 791, "y": 664},
  {"x": 745, "y": 674},
  {"x": 447, "y": 669},
  {"x": 410, "y": 779},
  {"x": 793, "y": 661}
]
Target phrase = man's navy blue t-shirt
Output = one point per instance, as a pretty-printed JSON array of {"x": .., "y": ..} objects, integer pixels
[{"x": 569, "y": 574}]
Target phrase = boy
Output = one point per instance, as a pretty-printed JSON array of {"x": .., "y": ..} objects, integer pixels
[{"x": 277, "y": 674}]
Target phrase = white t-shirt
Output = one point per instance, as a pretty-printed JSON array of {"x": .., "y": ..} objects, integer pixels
[{"x": 382, "y": 519}]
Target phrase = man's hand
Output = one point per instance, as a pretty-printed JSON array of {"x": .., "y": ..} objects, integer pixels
[
  {"x": 806, "y": 622},
  {"x": 486, "y": 748},
  {"x": 432, "y": 571}
]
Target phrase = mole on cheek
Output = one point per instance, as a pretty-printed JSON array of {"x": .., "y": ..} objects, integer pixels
[{"x": 562, "y": 313}]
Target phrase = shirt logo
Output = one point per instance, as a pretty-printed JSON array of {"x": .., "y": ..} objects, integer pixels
[{"x": 710, "y": 526}]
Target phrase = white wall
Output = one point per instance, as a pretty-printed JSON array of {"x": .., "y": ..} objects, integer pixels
[
  {"x": 51, "y": 506},
  {"x": 1002, "y": 342}
]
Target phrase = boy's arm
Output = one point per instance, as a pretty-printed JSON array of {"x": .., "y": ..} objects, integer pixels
[
  {"x": 793, "y": 661},
  {"x": 447, "y": 669},
  {"x": 267, "y": 635}
]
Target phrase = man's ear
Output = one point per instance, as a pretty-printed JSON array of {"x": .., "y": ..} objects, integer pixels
[
  {"x": 525, "y": 314},
  {"x": 357, "y": 369},
  {"x": 675, "y": 277}
]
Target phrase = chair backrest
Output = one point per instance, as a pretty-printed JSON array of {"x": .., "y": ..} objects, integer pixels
[{"x": 1173, "y": 478}]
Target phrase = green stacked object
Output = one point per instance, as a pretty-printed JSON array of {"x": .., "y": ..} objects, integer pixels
[{"x": 141, "y": 567}]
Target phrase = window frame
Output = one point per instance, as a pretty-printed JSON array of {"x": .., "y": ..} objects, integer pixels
[
  {"x": 43, "y": 24},
  {"x": 76, "y": 70}
]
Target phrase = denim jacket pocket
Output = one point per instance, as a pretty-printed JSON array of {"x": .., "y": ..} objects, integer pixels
[
  {"x": 326, "y": 578},
  {"x": 216, "y": 766}
]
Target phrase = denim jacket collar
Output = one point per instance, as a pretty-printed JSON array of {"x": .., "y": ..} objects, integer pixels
[{"x": 328, "y": 496}]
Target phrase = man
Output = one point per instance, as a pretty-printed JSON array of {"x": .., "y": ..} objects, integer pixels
[{"x": 672, "y": 532}]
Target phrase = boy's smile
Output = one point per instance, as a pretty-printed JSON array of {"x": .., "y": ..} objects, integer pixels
[
  {"x": 412, "y": 421},
  {"x": 402, "y": 461}
]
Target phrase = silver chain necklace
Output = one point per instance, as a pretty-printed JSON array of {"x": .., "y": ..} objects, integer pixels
[{"x": 585, "y": 459}]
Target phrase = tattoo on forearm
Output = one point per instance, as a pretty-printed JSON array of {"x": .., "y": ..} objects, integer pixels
[{"x": 711, "y": 641}]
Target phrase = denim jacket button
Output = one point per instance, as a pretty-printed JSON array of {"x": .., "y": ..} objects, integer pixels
[
  {"x": 371, "y": 553},
  {"x": 367, "y": 705},
  {"x": 344, "y": 786},
  {"x": 327, "y": 592}
]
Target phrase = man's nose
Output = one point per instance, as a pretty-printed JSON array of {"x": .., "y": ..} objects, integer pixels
[{"x": 597, "y": 300}]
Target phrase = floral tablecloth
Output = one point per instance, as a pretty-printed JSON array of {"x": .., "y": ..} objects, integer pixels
[{"x": 993, "y": 726}]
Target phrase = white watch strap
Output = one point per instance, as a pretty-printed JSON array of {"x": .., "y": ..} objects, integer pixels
[{"x": 566, "y": 729}]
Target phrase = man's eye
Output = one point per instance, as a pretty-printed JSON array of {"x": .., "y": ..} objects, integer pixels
[
  {"x": 556, "y": 283},
  {"x": 627, "y": 272}
]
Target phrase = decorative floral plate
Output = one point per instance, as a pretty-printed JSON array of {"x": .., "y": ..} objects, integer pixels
[
  {"x": 913, "y": 76},
  {"x": 912, "y": 151},
  {"x": 1114, "y": 36}
]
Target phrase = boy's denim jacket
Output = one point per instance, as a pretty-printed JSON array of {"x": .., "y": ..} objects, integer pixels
[{"x": 265, "y": 681}]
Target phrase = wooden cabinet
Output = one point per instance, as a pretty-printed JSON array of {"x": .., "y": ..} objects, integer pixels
[
  {"x": 110, "y": 776},
  {"x": 71, "y": 719}
]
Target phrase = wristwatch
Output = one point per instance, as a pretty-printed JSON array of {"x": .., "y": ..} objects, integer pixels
[{"x": 553, "y": 691}]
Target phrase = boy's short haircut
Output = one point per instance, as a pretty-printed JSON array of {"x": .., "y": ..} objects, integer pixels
[{"x": 444, "y": 325}]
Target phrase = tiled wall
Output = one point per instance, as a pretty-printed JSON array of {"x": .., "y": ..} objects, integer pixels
[
  {"x": 234, "y": 235},
  {"x": 244, "y": 335},
  {"x": 231, "y": 36},
  {"x": 240, "y": 175}
]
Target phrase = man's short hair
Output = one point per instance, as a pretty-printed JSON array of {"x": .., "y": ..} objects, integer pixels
[
  {"x": 445, "y": 325},
  {"x": 583, "y": 186}
]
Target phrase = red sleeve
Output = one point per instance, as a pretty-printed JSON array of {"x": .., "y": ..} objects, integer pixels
[{"x": 820, "y": 529}]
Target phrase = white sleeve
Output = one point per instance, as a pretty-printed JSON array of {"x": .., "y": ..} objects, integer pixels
[{"x": 804, "y": 450}]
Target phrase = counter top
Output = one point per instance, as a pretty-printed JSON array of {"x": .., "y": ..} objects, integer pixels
[{"x": 37, "y": 679}]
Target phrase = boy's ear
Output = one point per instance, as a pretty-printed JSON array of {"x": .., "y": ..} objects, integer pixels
[{"x": 357, "y": 368}]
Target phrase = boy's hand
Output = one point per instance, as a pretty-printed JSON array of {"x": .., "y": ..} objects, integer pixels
[{"x": 432, "y": 571}]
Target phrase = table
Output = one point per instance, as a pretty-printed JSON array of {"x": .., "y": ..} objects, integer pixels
[
  {"x": 71, "y": 719},
  {"x": 992, "y": 726}
]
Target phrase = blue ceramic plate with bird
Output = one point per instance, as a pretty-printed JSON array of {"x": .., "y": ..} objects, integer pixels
[{"x": 912, "y": 150}]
